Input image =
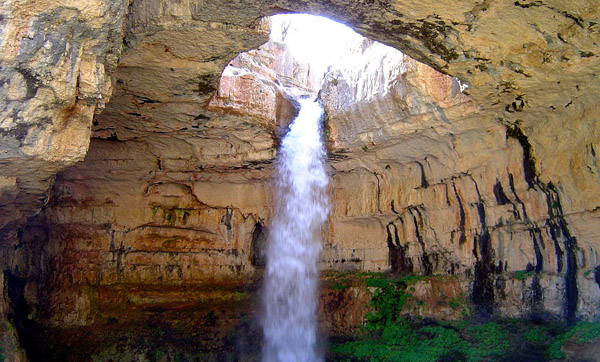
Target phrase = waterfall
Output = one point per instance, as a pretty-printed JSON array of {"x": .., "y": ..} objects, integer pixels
[{"x": 290, "y": 297}]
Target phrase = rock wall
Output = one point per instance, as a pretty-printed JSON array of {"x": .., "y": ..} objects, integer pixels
[
  {"x": 423, "y": 182},
  {"x": 57, "y": 58},
  {"x": 159, "y": 201},
  {"x": 10, "y": 349},
  {"x": 55, "y": 66},
  {"x": 426, "y": 183},
  {"x": 500, "y": 188}
]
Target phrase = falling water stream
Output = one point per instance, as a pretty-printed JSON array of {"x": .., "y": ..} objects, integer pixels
[{"x": 290, "y": 288}]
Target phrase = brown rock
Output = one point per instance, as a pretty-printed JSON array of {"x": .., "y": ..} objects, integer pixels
[{"x": 500, "y": 188}]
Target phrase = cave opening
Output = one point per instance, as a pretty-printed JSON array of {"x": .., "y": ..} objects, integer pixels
[
  {"x": 153, "y": 245},
  {"x": 196, "y": 153},
  {"x": 180, "y": 156},
  {"x": 315, "y": 40}
]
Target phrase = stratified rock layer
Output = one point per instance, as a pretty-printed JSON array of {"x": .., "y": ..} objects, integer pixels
[
  {"x": 56, "y": 62},
  {"x": 500, "y": 188},
  {"x": 434, "y": 186}
]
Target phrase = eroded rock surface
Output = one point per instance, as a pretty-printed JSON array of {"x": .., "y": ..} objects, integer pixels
[
  {"x": 201, "y": 191},
  {"x": 57, "y": 58},
  {"x": 449, "y": 190},
  {"x": 499, "y": 185}
]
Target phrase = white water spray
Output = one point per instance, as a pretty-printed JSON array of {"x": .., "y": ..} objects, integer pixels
[{"x": 290, "y": 289}]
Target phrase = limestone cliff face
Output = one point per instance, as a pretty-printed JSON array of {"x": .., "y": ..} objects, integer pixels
[
  {"x": 57, "y": 58},
  {"x": 182, "y": 204},
  {"x": 500, "y": 188},
  {"x": 434, "y": 186}
]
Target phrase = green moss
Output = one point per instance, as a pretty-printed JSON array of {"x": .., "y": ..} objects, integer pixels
[
  {"x": 535, "y": 334},
  {"x": 239, "y": 296},
  {"x": 523, "y": 274},
  {"x": 467, "y": 340},
  {"x": 168, "y": 215},
  {"x": 388, "y": 299},
  {"x": 391, "y": 336},
  {"x": 338, "y": 286},
  {"x": 155, "y": 355},
  {"x": 587, "y": 331},
  {"x": 401, "y": 342},
  {"x": 90, "y": 293},
  {"x": 582, "y": 332},
  {"x": 182, "y": 214},
  {"x": 490, "y": 342},
  {"x": 454, "y": 304},
  {"x": 413, "y": 279}
]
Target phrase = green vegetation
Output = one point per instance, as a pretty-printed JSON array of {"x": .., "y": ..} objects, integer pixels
[
  {"x": 388, "y": 299},
  {"x": 454, "y": 303},
  {"x": 156, "y": 355},
  {"x": 582, "y": 332},
  {"x": 341, "y": 281},
  {"x": 404, "y": 340},
  {"x": 391, "y": 335},
  {"x": 535, "y": 334},
  {"x": 522, "y": 274},
  {"x": 338, "y": 286}
]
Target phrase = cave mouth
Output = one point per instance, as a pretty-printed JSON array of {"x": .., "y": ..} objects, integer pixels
[
  {"x": 184, "y": 266},
  {"x": 313, "y": 56},
  {"x": 303, "y": 49},
  {"x": 317, "y": 41},
  {"x": 111, "y": 296},
  {"x": 153, "y": 243}
]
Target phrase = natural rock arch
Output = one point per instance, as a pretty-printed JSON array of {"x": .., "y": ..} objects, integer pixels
[
  {"x": 535, "y": 98},
  {"x": 474, "y": 41}
]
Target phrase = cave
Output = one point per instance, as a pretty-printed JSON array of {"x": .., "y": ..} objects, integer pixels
[{"x": 138, "y": 141}]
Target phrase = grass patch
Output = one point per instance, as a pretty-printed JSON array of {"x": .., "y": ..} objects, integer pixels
[
  {"x": 454, "y": 303},
  {"x": 582, "y": 332},
  {"x": 391, "y": 335},
  {"x": 523, "y": 274},
  {"x": 338, "y": 286},
  {"x": 408, "y": 340},
  {"x": 405, "y": 341}
]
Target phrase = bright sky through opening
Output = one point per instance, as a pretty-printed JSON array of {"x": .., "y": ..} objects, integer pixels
[
  {"x": 314, "y": 39},
  {"x": 322, "y": 42}
]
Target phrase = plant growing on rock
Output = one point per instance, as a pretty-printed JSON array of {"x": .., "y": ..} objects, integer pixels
[{"x": 391, "y": 336}]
